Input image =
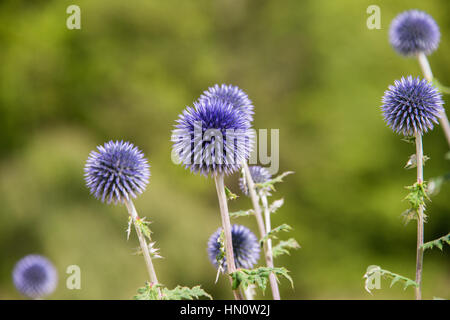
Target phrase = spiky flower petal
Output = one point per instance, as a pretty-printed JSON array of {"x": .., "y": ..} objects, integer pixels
[
  {"x": 259, "y": 175},
  {"x": 414, "y": 31},
  {"x": 411, "y": 105},
  {"x": 35, "y": 276},
  {"x": 117, "y": 171},
  {"x": 246, "y": 248},
  {"x": 232, "y": 94},
  {"x": 212, "y": 138}
]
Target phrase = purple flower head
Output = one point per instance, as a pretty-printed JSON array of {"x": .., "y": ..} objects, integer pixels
[
  {"x": 411, "y": 105},
  {"x": 413, "y": 32},
  {"x": 212, "y": 138},
  {"x": 246, "y": 248},
  {"x": 35, "y": 276},
  {"x": 259, "y": 175},
  {"x": 232, "y": 94},
  {"x": 116, "y": 171}
]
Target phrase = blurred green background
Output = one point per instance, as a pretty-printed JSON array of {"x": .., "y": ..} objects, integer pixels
[{"x": 312, "y": 68}]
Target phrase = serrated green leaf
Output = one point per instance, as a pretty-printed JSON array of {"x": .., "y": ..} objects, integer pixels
[
  {"x": 439, "y": 242},
  {"x": 408, "y": 283},
  {"x": 259, "y": 277},
  {"x": 152, "y": 292},
  {"x": 416, "y": 198},
  {"x": 148, "y": 292},
  {"x": 277, "y": 204},
  {"x": 396, "y": 279},
  {"x": 143, "y": 225},
  {"x": 283, "y": 247},
  {"x": 270, "y": 184},
  {"x": 271, "y": 234},
  {"x": 376, "y": 270},
  {"x": 185, "y": 293},
  {"x": 241, "y": 213}
]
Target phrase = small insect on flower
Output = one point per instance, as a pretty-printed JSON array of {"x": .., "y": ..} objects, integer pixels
[
  {"x": 117, "y": 171},
  {"x": 212, "y": 138},
  {"x": 413, "y": 32},
  {"x": 232, "y": 94},
  {"x": 35, "y": 276},
  {"x": 259, "y": 175},
  {"x": 246, "y": 248},
  {"x": 411, "y": 105}
]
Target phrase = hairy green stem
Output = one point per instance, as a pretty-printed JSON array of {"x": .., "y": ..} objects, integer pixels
[
  {"x": 262, "y": 230},
  {"x": 419, "y": 252},
  {"x": 143, "y": 243},
  {"x": 226, "y": 225},
  {"x": 428, "y": 74}
]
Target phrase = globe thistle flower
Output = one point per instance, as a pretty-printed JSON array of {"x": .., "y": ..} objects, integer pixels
[
  {"x": 116, "y": 171},
  {"x": 232, "y": 94},
  {"x": 411, "y": 105},
  {"x": 259, "y": 175},
  {"x": 35, "y": 276},
  {"x": 245, "y": 247},
  {"x": 212, "y": 138},
  {"x": 414, "y": 32}
]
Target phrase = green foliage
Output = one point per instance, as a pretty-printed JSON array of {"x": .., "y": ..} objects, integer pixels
[
  {"x": 230, "y": 195},
  {"x": 412, "y": 162},
  {"x": 242, "y": 213},
  {"x": 416, "y": 198},
  {"x": 283, "y": 247},
  {"x": 258, "y": 277},
  {"x": 272, "y": 233},
  {"x": 274, "y": 206},
  {"x": 148, "y": 292},
  {"x": 411, "y": 140},
  {"x": 377, "y": 271},
  {"x": 270, "y": 184},
  {"x": 220, "y": 258},
  {"x": 153, "y": 292},
  {"x": 437, "y": 243},
  {"x": 143, "y": 225}
]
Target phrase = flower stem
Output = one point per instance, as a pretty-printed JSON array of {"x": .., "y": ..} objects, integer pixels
[
  {"x": 428, "y": 74},
  {"x": 143, "y": 243},
  {"x": 269, "y": 258},
  {"x": 262, "y": 230},
  {"x": 226, "y": 225},
  {"x": 419, "y": 253}
]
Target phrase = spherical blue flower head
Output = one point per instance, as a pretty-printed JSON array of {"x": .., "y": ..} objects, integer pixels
[
  {"x": 117, "y": 171},
  {"x": 212, "y": 138},
  {"x": 35, "y": 276},
  {"x": 414, "y": 31},
  {"x": 259, "y": 175},
  {"x": 232, "y": 94},
  {"x": 246, "y": 247},
  {"x": 411, "y": 105}
]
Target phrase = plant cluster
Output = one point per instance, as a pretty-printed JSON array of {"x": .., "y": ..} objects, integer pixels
[{"x": 410, "y": 107}]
